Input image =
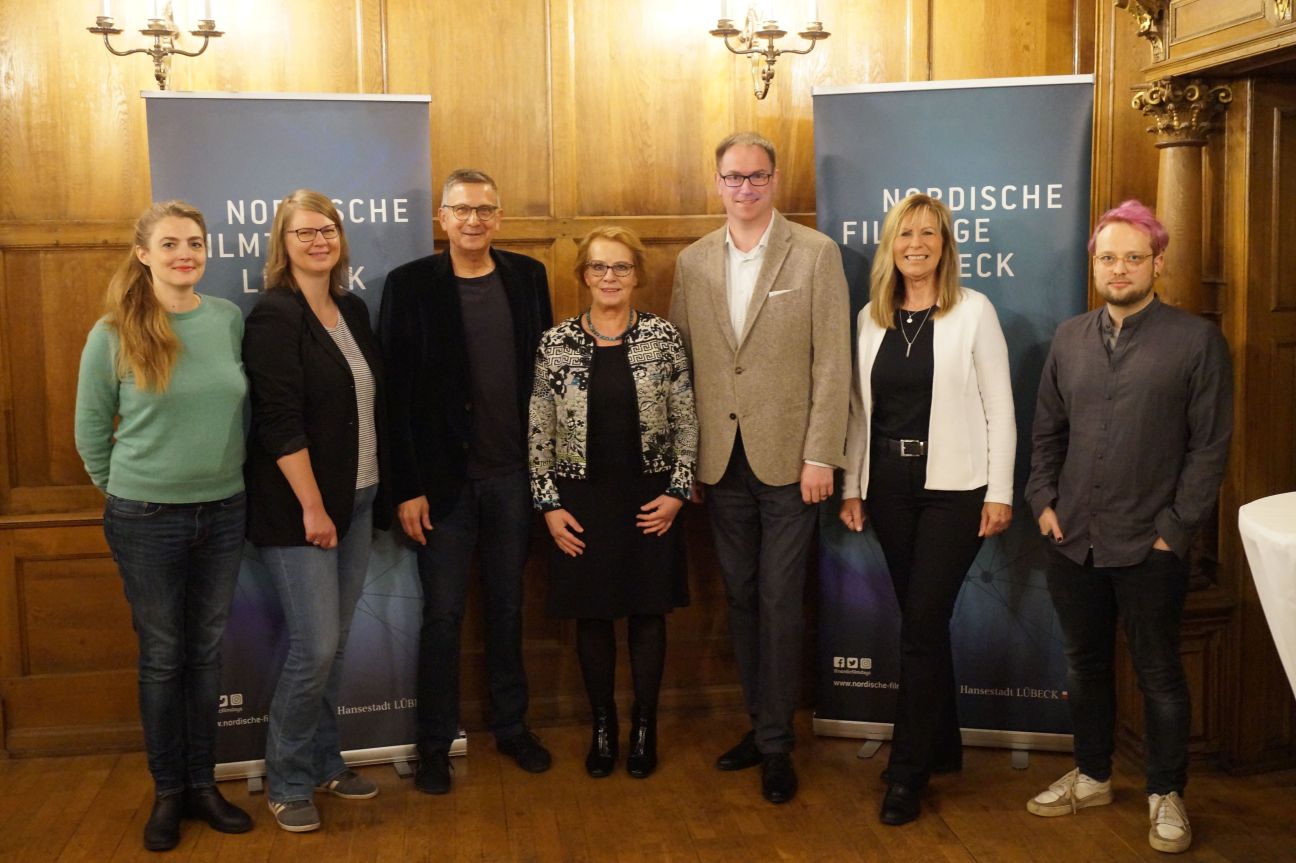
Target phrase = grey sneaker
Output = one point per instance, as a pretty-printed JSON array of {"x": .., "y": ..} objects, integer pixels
[
  {"x": 1070, "y": 794},
  {"x": 1169, "y": 831},
  {"x": 349, "y": 785},
  {"x": 295, "y": 816}
]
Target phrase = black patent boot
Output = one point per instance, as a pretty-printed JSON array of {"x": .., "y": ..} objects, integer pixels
[
  {"x": 603, "y": 743},
  {"x": 642, "y": 760}
]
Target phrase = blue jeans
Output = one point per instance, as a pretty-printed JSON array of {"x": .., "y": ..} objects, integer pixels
[
  {"x": 319, "y": 590},
  {"x": 494, "y": 516},
  {"x": 179, "y": 564},
  {"x": 1149, "y": 598}
]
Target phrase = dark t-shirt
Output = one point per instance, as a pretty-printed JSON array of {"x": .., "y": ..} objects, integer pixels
[{"x": 497, "y": 445}]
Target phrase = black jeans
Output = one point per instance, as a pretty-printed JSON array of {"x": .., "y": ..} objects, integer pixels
[
  {"x": 929, "y": 539},
  {"x": 492, "y": 516},
  {"x": 1149, "y": 598}
]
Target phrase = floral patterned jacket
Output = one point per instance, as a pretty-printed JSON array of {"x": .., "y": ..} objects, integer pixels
[{"x": 668, "y": 429}]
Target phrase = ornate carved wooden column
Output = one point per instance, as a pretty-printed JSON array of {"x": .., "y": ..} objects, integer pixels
[{"x": 1183, "y": 113}]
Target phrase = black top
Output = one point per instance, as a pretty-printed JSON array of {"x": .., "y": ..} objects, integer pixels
[
  {"x": 303, "y": 397},
  {"x": 428, "y": 384},
  {"x": 902, "y": 384},
  {"x": 613, "y": 414},
  {"x": 1130, "y": 442},
  {"x": 496, "y": 444}
]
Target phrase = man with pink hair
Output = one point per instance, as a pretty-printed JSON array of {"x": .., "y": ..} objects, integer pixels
[{"x": 1131, "y": 436}]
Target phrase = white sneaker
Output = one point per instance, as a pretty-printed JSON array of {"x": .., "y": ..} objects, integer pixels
[
  {"x": 1170, "y": 830},
  {"x": 1068, "y": 795}
]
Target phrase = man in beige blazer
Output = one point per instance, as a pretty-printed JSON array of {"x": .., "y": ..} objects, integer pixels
[{"x": 763, "y": 307}]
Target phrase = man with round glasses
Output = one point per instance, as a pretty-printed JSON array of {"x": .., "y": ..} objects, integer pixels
[
  {"x": 763, "y": 308},
  {"x": 459, "y": 332},
  {"x": 1131, "y": 436}
]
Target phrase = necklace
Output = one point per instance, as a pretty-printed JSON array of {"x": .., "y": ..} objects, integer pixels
[
  {"x": 909, "y": 343},
  {"x": 630, "y": 322}
]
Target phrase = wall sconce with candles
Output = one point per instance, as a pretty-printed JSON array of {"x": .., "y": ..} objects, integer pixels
[
  {"x": 161, "y": 27},
  {"x": 761, "y": 24}
]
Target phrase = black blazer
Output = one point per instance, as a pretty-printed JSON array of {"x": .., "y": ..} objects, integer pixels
[
  {"x": 303, "y": 397},
  {"x": 428, "y": 385}
]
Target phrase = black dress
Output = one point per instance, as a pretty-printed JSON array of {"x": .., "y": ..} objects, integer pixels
[{"x": 623, "y": 571}]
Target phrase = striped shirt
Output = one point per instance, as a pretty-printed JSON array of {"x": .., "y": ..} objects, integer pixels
[{"x": 367, "y": 466}]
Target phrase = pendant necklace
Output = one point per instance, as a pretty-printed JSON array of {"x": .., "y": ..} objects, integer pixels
[
  {"x": 909, "y": 343},
  {"x": 630, "y": 322}
]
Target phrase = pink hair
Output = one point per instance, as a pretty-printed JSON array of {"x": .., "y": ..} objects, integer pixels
[{"x": 1138, "y": 215}]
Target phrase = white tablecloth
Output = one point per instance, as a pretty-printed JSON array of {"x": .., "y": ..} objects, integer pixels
[{"x": 1268, "y": 528}]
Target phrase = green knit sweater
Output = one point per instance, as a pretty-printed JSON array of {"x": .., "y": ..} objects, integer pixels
[{"x": 184, "y": 445}]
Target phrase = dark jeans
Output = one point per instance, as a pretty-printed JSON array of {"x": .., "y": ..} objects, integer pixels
[
  {"x": 762, "y": 538},
  {"x": 319, "y": 590},
  {"x": 929, "y": 539},
  {"x": 1149, "y": 599},
  {"x": 493, "y": 516},
  {"x": 179, "y": 564}
]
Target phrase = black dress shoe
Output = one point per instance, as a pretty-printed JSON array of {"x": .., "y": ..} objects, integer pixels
[
  {"x": 527, "y": 750},
  {"x": 642, "y": 760},
  {"x": 742, "y": 756},
  {"x": 432, "y": 776},
  {"x": 778, "y": 778},
  {"x": 207, "y": 804},
  {"x": 162, "y": 832},
  {"x": 900, "y": 805},
  {"x": 602, "y": 754}
]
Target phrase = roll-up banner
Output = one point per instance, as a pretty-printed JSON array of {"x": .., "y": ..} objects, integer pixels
[
  {"x": 1011, "y": 158},
  {"x": 235, "y": 156}
]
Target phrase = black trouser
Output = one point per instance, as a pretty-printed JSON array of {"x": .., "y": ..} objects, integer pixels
[
  {"x": 762, "y": 539},
  {"x": 929, "y": 539}
]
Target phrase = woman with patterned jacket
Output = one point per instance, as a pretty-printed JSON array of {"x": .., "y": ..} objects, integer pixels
[{"x": 613, "y": 443}]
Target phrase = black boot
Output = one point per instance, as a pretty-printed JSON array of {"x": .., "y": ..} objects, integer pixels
[
  {"x": 162, "y": 832},
  {"x": 642, "y": 760},
  {"x": 603, "y": 744}
]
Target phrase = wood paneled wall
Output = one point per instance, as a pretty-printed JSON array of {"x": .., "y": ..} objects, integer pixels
[{"x": 584, "y": 110}]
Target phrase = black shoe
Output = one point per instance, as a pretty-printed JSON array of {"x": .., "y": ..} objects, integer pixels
[
  {"x": 433, "y": 773},
  {"x": 603, "y": 743},
  {"x": 642, "y": 760},
  {"x": 527, "y": 750},
  {"x": 162, "y": 832},
  {"x": 900, "y": 805},
  {"x": 778, "y": 778},
  {"x": 742, "y": 756},
  {"x": 207, "y": 804}
]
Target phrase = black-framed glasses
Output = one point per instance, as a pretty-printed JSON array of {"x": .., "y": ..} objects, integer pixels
[
  {"x": 735, "y": 180},
  {"x": 620, "y": 269},
  {"x": 307, "y": 235},
  {"x": 485, "y": 212},
  {"x": 1131, "y": 261}
]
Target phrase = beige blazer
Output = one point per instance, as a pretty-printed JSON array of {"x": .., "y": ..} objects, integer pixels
[{"x": 786, "y": 380}]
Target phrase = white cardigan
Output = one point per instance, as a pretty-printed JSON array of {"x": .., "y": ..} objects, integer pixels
[{"x": 972, "y": 438}]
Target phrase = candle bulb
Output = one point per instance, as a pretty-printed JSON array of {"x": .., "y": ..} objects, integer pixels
[
  {"x": 207, "y": 10},
  {"x": 814, "y": 10},
  {"x": 107, "y": 11}
]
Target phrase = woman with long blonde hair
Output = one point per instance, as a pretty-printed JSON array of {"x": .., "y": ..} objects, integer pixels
[
  {"x": 164, "y": 363},
  {"x": 314, "y": 461}
]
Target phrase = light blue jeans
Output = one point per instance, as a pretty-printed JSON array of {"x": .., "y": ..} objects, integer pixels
[{"x": 318, "y": 590}]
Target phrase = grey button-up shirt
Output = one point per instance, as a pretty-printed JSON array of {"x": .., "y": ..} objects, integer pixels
[{"x": 1130, "y": 441}]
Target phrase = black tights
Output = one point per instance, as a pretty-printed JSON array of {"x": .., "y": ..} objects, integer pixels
[{"x": 596, "y": 648}]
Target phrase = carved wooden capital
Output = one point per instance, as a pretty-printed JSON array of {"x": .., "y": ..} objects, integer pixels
[
  {"x": 1283, "y": 9},
  {"x": 1150, "y": 17},
  {"x": 1182, "y": 112}
]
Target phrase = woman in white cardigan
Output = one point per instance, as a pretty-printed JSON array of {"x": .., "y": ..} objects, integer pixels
[{"x": 930, "y": 448}]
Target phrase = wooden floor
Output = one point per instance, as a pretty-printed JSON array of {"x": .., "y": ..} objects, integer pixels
[{"x": 94, "y": 808}]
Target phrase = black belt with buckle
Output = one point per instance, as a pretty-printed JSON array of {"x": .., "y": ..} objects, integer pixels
[{"x": 906, "y": 448}]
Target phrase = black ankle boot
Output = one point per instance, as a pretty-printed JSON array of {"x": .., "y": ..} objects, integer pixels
[
  {"x": 642, "y": 760},
  {"x": 603, "y": 744}
]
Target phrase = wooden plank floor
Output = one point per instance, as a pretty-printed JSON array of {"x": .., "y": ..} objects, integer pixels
[{"x": 93, "y": 808}]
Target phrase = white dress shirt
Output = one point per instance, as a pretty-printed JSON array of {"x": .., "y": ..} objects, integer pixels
[{"x": 743, "y": 271}]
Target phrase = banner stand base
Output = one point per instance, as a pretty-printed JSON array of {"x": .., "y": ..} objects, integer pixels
[
  {"x": 1020, "y": 759},
  {"x": 1018, "y": 741},
  {"x": 869, "y": 749},
  {"x": 398, "y": 756}
]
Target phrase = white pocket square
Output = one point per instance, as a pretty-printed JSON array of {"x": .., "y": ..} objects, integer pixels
[{"x": 784, "y": 291}]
